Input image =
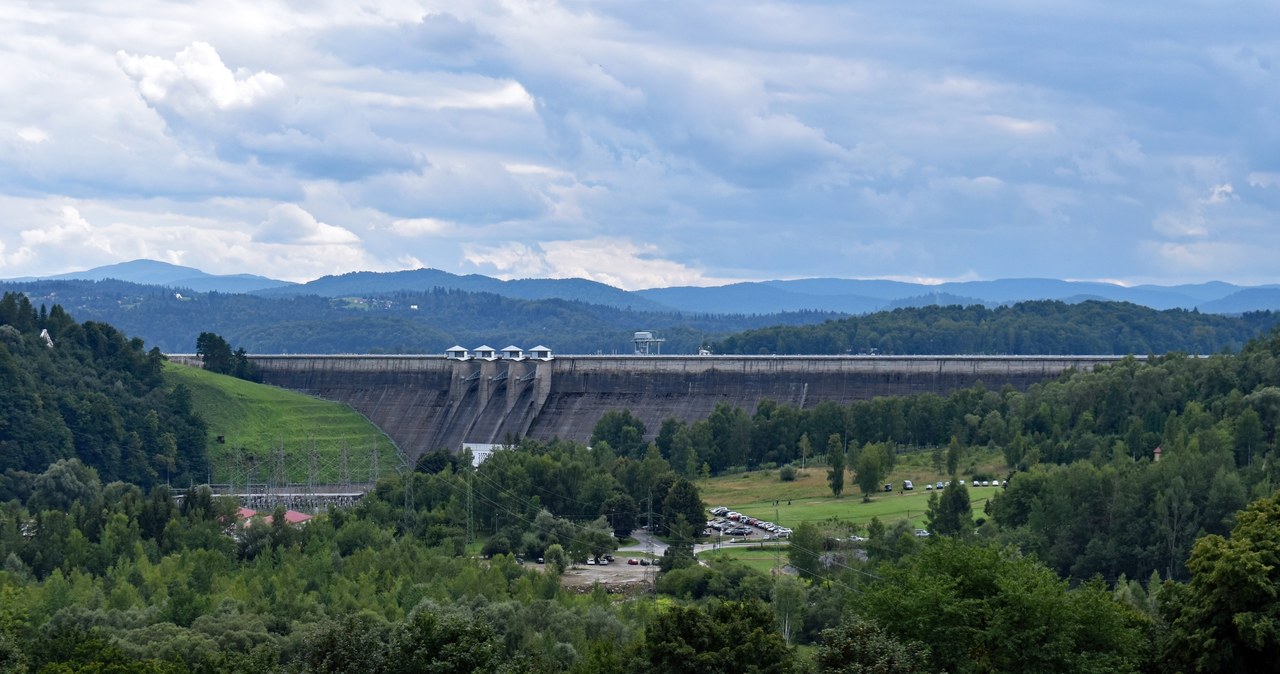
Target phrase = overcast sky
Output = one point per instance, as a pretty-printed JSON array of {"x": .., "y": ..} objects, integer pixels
[{"x": 647, "y": 143}]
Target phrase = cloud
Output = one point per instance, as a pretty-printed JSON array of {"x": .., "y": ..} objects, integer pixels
[
  {"x": 419, "y": 227},
  {"x": 701, "y": 141},
  {"x": 1195, "y": 218},
  {"x": 196, "y": 80},
  {"x": 617, "y": 262},
  {"x": 289, "y": 224},
  {"x": 33, "y": 135}
]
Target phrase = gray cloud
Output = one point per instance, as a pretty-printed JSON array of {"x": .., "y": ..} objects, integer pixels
[{"x": 713, "y": 140}]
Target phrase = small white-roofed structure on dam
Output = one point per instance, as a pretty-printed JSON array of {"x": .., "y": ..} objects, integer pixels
[
  {"x": 540, "y": 353},
  {"x": 513, "y": 353},
  {"x": 457, "y": 353},
  {"x": 485, "y": 353}
]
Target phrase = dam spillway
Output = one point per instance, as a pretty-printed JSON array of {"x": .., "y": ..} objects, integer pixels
[{"x": 429, "y": 402}]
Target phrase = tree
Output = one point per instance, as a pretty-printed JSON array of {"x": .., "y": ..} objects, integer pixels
[
  {"x": 873, "y": 465},
  {"x": 982, "y": 608},
  {"x": 954, "y": 454},
  {"x": 428, "y": 641},
  {"x": 623, "y": 431},
  {"x": 1227, "y": 619},
  {"x": 682, "y": 500},
  {"x": 215, "y": 353},
  {"x": 726, "y": 637},
  {"x": 788, "y": 604},
  {"x": 859, "y": 646},
  {"x": 835, "y": 459},
  {"x": 598, "y": 538},
  {"x": 556, "y": 559},
  {"x": 805, "y": 449},
  {"x": 805, "y": 550},
  {"x": 950, "y": 513},
  {"x": 621, "y": 511}
]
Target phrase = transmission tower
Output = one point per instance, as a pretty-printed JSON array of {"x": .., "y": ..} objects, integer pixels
[
  {"x": 374, "y": 470},
  {"x": 279, "y": 477},
  {"x": 344, "y": 470},
  {"x": 313, "y": 476}
]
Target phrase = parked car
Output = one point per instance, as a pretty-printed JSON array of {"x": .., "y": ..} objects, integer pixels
[
  {"x": 941, "y": 485},
  {"x": 928, "y": 487},
  {"x": 922, "y": 533},
  {"x": 888, "y": 486},
  {"x": 907, "y": 486},
  {"x": 633, "y": 561}
]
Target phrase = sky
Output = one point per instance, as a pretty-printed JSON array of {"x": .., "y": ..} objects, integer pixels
[{"x": 645, "y": 144}]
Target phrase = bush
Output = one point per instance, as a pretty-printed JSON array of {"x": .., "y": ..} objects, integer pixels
[{"x": 787, "y": 473}]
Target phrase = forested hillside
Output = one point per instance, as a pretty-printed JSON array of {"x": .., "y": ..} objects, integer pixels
[
  {"x": 404, "y": 322},
  {"x": 1042, "y": 327},
  {"x": 88, "y": 392},
  {"x": 431, "y": 321}
]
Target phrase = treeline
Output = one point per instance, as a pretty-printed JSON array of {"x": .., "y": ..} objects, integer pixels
[
  {"x": 86, "y": 391},
  {"x": 1025, "y": 328},
  {"x": 387, "y": 323},
  {"x": 1227, "y": 401}
]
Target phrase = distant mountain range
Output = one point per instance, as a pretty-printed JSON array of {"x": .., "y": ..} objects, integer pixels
[
  {"x": 846, "y": 296},
  {"x": 155, "y": 273}
]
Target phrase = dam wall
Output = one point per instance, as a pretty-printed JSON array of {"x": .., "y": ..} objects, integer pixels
[{"x": 428, "y": 402}]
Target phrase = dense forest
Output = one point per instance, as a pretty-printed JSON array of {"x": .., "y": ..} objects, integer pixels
[
  {"x": 1097, "y": 557},
  {"x": 86, "y": 391},
  {"x": 1041, "y": 327}
]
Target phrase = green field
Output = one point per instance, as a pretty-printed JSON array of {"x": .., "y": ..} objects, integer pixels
[
  {"x": 809, "y": 499},
  {"x": 764, "y": 558},
  {"x": 256, "y": 422}
]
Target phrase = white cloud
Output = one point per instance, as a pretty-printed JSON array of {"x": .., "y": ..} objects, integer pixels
[
  {"x": 33, "y": 134},
  {"x": 418, "y": 227},
  {"x": 617, "y": 262},
  {"x": 196, "y": 80},
  {"x": 1021, "y": 127},
  {"x": 289, "y": 224}
]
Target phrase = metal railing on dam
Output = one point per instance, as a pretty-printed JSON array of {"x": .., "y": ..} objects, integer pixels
[{"x": 427, "y": 401}]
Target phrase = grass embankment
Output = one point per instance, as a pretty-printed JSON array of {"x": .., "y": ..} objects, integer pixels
[
  {"x": 255, "y": 420},
  {"x": 809, "y": 498}
]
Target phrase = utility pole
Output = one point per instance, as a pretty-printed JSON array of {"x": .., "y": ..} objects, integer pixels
[
  {"x": 648, "y": 546},
  {"x": 471, "y": 508},
  {"x": 777, "y": 544}
]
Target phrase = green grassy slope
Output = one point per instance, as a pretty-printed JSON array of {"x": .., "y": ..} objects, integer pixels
[{"x": 257, "y": 421}]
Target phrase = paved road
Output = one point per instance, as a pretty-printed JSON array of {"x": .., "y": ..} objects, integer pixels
[{"x": 644, "y": 539}]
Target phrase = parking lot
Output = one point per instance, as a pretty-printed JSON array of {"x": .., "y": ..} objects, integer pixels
[{"x": 741, "y": 525}]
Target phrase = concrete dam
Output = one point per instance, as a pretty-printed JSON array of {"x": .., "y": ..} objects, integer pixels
[{"x": 428, "y": 402}]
